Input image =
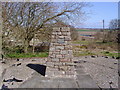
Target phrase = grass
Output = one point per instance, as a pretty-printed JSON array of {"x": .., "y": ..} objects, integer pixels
[
  {"x": 84, "y": 53},
  {"x": 27, "y": 55},
  {"x": 80, "y": 42},
  {"x": 97, "y": 47},
  {"x": 107, "y": 53},
  {"x": 87, "y": 30}
]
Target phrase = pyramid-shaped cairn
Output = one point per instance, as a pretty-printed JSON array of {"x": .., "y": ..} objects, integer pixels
[{"x": 60, "y": 52}]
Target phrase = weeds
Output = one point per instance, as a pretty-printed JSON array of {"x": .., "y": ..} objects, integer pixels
[{"x": 27, "y": 55}]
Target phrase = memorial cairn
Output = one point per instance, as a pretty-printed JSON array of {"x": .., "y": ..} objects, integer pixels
[{"x": 60, "y": 54}]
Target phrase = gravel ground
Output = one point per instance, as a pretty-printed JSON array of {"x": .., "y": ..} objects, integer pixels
[
  {"x": 103, "y": 70},
  {"x": 21, "y": 72}
]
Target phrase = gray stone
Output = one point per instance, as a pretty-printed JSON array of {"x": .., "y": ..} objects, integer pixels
[
  {"x": 63, "y": 52},
  {"x": 59, "y": 56},
  {"x": 59, "y": 47},
  {"x": 68, "y": 33},
  {"x": 61, "y": 41},
  {"x": 39, "y": 82},
  {"x": 49, "y": 73},
  {"x": 80, "y": 72},
  {"x": 85, "y": 81},
  {"x": 57, "y": 63},
  {"x": 61, "y": 37},
  {"x": 59, "y": 33},
  {"x": 52, "y": 49},
  {"x": 66, "y": 82},
  {"x": 52, "y": 55},
  {"x": 55, "y": 59},
  {"x": 58, "y": 73},
  {"x": 54, "y": 33},
  {"x": 50, "y": 64}
]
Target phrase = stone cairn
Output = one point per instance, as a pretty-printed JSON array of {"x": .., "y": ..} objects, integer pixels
[{"x": 60, "y": 53}]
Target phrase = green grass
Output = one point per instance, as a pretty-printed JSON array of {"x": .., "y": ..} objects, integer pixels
[
  {"x": 27, "y": 55},
  {"x": 80, "y": 42},
  {"x": 88, "y": 30},
  {"x": 107, "y": 53},
  {"x": 84, "y": 53}
]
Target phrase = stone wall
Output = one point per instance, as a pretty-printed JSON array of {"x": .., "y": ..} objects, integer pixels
[
  {"x": 0, "y": 30},
  {"x": 60, "y": 53}
]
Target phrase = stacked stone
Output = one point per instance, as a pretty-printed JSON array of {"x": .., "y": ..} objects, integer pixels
[
  {"x": 0, "y": 30},
  {"x": 60, "y": 53}
]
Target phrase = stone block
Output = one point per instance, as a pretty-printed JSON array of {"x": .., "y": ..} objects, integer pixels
[
  {"x": 61, "y": 41},
  {"x": 49, "y": 74},
  {"x": 65, "y": 29},
  {"x": 51, "y": 64},
  {"x": 56, "y": 29},
  {"x": 70, "y": 52},
  {"x": 64, "y": 33},
  {"x": 53, "y": 36},
  {"x": 67, "y": 39},
  {"x": 58, "y": 73},
  {"x": 63, "y": 52},
  {"x": 63, "y": 68},
  {"x": 87, "y": 81},
  {"x": 68, "y": 34},
  {"x": 59, "y": 33},
  {"x": 56, "y": 52},
  {"x": 59, "y": 47},
  {"x": 52, "y": 49},
  {"x": 61, "y": 37},
  {"x": 70, "y": 64},
  {"x": 52, "y": 56},
  {"x": 55, "y": 59},
  {"x": 69, "y": 73},
  {"x": 67, "y": 47},
  {"x": 59, "y": 56},
  {"x": 53, "y": 41},
  {"x": 57, "y": 63},
  {"x": 64, "y": 60},
  {"x": 54, "y": 33}
]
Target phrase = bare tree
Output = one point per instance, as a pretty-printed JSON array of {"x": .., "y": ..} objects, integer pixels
[
  {"x": 113, "y": 24},
  {"x": 27, "y": 18}
]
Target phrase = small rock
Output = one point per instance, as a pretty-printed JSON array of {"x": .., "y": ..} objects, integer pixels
[
  {"x": 115, "y": 63},
  {"x": 4, "y": 87},
  {"x": 11, "y": 80},
  {"x": 105, "y": 57},
  {"x": 75, "y": 61},
  {"x": 33, "y": 60},
  {"x": 81, "y": 61},
  {"x": 18, "y": 64},
  {"x": 117, "y": 57},
  {"x": 17, "y": 59},
  {"x": 3, "y": 62},
  {"x": 111, "y": 82},
  {"x": 93, "y": 56},
  {"x": 111, "y": 67},
  {"x": 13, "y": 65},
  {"x": 113, "y": 57},
  {"x": 12, "y": 83}
]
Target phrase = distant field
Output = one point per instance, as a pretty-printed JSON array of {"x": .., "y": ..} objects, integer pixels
[
  {"x": 88, "y": 30},
  {"x": 94, "y": 30}
]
